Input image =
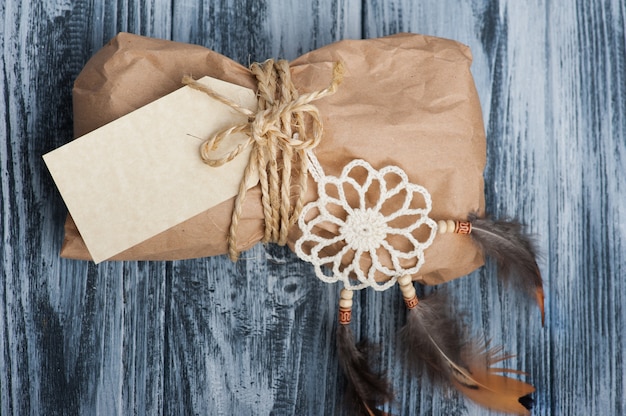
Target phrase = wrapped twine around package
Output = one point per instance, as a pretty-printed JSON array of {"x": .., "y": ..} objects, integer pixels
[{"x": 405, "y": 100}]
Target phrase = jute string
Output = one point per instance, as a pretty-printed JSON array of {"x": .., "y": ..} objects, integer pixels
[{"x": 282, "y": 129}]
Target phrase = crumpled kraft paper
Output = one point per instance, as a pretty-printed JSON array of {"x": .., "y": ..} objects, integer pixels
[{"x": 406, "y": 100}]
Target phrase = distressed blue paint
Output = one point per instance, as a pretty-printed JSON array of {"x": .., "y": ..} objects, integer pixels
[{"x": 209, "y": 337}]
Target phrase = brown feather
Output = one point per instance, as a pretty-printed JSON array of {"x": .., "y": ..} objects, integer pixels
[
  {"x": 366, "y": 389},
  {"x": 434, "y": 338},
  {"x": 514, "y": 251},
  {"x": 487, "y": 385}
]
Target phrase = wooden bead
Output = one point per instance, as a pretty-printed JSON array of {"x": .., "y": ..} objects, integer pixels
[
  {"x": 450, "y": 226},
  {"x": 409, "y": 293},
  {"x": 345, "y": 303},
  {"x": 405, "y": 280},
  {"x": 411, "y": 303},
  {"x": 346, "y": 294},
  {"x": 407, "y": 289},
  {"x": 345, "y": 316},
  {"x": 463, "y": 227},
  {"x": 442, "y": 227}
]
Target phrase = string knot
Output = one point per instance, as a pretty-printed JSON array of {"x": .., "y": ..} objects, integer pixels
[{"x": 284, "y": 126}]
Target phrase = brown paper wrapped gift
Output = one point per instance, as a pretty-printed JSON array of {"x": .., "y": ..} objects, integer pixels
[{"x": 406, "y": 100}]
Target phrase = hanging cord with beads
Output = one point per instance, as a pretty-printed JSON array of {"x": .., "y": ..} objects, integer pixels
[{"x": 279, "y": 136}]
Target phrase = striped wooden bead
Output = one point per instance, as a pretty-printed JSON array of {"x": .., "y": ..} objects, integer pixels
[
  {"x": 412, "y": 302},
  {"x": 463, "y": 227},
  {"x": 345, "y": 316}
]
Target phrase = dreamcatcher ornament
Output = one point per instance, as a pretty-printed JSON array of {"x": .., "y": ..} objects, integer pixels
[
  {"x": 397, "y": 212},
  {"x": 430, "y": 336},
  {"x": 365, "y": 232}
]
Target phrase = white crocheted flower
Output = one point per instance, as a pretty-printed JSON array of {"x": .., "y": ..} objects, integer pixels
[{"x": 368, "y": 226}]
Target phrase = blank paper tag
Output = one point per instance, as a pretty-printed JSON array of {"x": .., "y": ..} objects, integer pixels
[{"x": 142, "y": 174}]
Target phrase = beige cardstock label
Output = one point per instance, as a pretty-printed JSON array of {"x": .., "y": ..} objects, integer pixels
[{"x": 142, "y": 174}]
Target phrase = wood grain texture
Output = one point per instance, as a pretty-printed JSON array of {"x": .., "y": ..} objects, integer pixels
[{"x": 207, "y": 336}]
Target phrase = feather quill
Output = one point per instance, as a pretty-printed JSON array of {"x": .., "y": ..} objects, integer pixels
[
  {"x": 514, "y": 252},
  {"x": 366, "y": 389},
  {"x": 433, "y": 338}
]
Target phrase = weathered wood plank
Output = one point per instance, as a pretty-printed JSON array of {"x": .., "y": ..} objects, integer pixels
[
  {"x": 69, "y": 339},
  {"x": 587, "y": 171},
  {"x": 207, "y": 336}
]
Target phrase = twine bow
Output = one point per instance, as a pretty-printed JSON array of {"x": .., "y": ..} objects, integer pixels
[{"x": 280, "y": 132}]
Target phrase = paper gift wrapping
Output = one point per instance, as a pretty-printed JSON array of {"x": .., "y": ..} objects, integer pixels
[{"x": 406, "y": 100}]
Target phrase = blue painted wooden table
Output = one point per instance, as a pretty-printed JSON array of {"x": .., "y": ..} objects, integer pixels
[{"x": 208, "y": 336}]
